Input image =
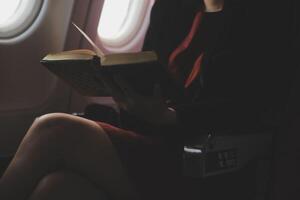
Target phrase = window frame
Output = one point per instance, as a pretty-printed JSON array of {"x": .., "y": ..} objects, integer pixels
[{"x": 24, "y": 23}]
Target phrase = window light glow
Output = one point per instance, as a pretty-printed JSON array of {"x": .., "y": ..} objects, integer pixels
[
  {"x": 17, "y": 15},
  {"x": 7, "y": 10},
  {"x": 121, "y": 20},
  {"x": 113, "y": 16}
]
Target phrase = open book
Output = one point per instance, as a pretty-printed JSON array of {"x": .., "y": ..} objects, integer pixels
[{"x": 83, "y": 69}]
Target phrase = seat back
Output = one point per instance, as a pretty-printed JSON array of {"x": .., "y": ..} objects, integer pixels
[{"x": 286, "y": 163}]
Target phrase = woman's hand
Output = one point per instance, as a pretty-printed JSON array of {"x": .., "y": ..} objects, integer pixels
[
  {"x": 151, "y": 109},
  {"x": 213, "y": 5}
]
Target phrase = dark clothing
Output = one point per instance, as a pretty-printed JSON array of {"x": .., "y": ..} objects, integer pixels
[
  {"x": 238, "y": 83},
  {"x": 151, "y": 165},
  {"x": 207, "y": 102}
]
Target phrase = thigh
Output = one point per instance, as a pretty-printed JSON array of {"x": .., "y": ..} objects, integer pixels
[{"x": 66, "y": 185}]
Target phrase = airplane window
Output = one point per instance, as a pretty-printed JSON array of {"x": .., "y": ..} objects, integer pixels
[
  {"x": 16, "y": 16},
  {"x": 8, "y": 9},
  {"x": 121, "y": 20}
]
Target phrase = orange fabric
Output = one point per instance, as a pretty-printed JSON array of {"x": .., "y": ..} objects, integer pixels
[
  {"x": 173, "y": 67},
  {"x": 195, "y": 71}
]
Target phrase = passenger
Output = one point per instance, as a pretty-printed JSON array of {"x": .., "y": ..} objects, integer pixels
[{"x": 202, "y": 44}]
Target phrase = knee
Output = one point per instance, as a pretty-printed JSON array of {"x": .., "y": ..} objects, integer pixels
[
  {"x": 62, "y": 129},
  {"x": 50, "y": 127},
  {"x": 57, "y": 122}
]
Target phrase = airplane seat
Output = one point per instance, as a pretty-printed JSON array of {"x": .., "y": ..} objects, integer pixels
[{"x": 286, "y": 159}]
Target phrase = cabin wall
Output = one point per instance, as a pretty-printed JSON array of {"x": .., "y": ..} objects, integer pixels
[{"x": 27, "y": 89}]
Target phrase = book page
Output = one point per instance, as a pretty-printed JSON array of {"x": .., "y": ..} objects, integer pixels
[{"x": 97, "y": 50}]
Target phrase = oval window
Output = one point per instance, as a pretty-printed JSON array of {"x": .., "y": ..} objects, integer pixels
[
  {"x": 121, "y": 20},
  {"x": 17, "y": 15}
]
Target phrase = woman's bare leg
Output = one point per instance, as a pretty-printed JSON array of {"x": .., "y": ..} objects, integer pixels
[
  {"x": 63, "y": 185},
  {"x": 60, "y": 141}
]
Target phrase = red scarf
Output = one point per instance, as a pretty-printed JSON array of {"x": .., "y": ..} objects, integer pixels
[{"x": 173, "y": 67}]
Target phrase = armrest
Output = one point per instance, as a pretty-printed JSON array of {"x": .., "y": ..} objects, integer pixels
[{"x": 103, "y": 113}]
